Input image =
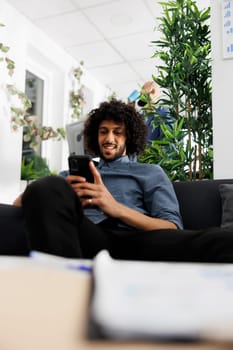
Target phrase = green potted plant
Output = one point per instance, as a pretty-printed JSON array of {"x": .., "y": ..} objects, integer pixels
[
  {"x": 34, "y": 167},
  {"x": 184, "y": 74}
]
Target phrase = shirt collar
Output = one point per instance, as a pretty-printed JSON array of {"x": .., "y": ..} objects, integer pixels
[{"x": 103, "y": 162}]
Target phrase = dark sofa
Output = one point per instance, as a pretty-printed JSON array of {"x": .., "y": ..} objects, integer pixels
[
  {"x": 200, "y": 206},
  {"x": 200, "y": 202}
]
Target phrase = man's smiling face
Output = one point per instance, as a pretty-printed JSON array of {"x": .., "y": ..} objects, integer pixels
[{"x": 112, "y": 139}]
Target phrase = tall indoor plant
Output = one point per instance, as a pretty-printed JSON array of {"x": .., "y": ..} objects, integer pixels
[{"x": 184, "y": 74}]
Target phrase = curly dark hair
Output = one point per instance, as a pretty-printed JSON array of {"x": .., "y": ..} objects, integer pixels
[{"x": 120, "y": 112}]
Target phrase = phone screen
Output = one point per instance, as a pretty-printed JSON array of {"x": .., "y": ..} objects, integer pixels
[{"x": 79, "y": 165}]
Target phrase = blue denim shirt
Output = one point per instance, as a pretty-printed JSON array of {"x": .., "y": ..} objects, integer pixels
[{"x": 142, "y": 187}]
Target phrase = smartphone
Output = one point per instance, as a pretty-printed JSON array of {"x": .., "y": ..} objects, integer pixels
[{"x": 79, "y": 165}]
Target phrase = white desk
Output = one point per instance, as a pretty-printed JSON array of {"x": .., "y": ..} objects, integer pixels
[{"x": 45, "y": 308}]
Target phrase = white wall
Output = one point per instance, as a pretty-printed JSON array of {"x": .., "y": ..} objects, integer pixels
[
  {"x": 32, "y": 50},
  {"x": 222, "y": 75},
  {"x": 10, "y": 142}
]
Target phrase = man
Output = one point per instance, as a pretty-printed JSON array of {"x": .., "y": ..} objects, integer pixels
[
  {"x": 150, "y": 95},
  {"x": 131, "y": 208}
]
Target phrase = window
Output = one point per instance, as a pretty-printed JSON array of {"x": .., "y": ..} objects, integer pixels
[{"x": 34, "y": 89}]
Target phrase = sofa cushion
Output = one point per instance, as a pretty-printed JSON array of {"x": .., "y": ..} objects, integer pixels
[{"x": 226, "y": 193}]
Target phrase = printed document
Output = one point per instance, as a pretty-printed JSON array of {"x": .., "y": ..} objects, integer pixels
[{"x": 133, "y": 300}]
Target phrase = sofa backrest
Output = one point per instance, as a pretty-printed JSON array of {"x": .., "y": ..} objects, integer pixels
[{"x": 200, "y": 202}]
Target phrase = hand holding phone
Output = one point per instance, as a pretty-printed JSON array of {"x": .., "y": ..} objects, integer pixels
[{"x": 79, "y": 165}]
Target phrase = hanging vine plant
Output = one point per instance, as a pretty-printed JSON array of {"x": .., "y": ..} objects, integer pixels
[
  {"x": 33, "y": 130},
  {"x": 77, "y": 100},
  {"x": 19, "y": 109},
  {"x": 20, "y": 104},
  {"x": 10, "y": 64}
]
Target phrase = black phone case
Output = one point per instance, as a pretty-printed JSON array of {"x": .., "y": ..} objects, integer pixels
[{"x": 79, "y": 165}]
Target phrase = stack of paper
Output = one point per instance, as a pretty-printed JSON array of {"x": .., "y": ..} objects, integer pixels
[
  {"x": 49, "y": 260},
  {"x": 146, "y": 300}
]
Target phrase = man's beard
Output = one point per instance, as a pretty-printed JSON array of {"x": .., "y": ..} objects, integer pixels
[{"x": 117, "y": 155}]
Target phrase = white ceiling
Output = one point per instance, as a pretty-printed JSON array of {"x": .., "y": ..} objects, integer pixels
[{"x": 112, "y": 37}]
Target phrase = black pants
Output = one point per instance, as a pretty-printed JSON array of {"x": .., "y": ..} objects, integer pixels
[
  {"x": 55, "y": 224},
  {"x": 13, "y": 240}
]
